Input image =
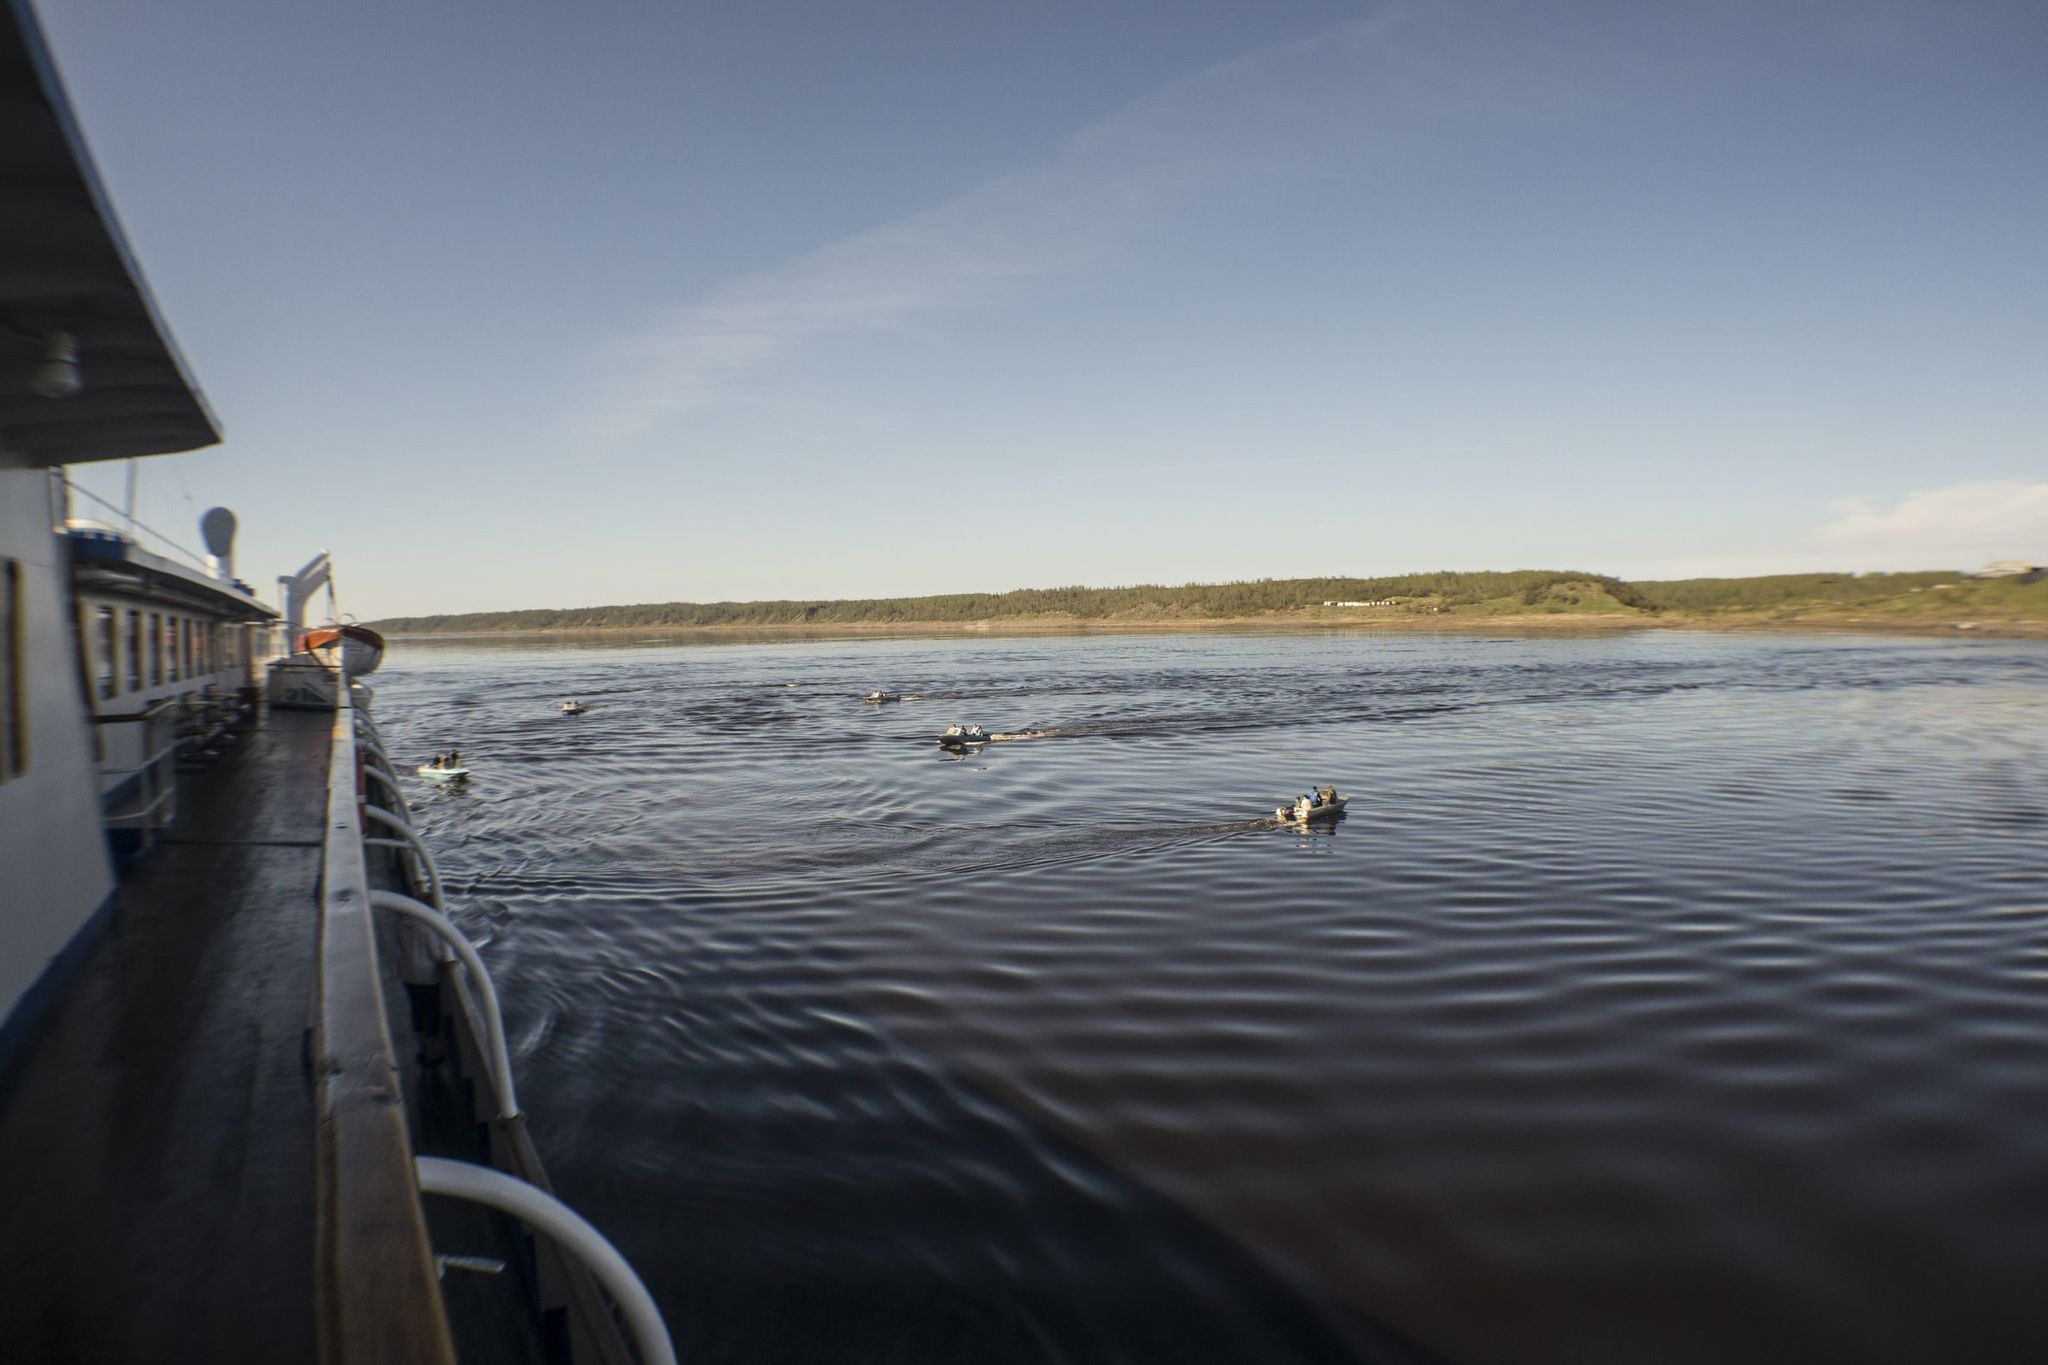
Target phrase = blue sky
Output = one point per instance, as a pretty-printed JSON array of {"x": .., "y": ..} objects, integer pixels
[{"x": 527, "y": 304}]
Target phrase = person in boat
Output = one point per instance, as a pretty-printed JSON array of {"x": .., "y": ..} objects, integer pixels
[{"x": 455, "y": 758}]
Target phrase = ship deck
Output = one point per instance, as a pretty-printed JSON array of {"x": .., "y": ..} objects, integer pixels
[{"x": 162, "y": 1103}]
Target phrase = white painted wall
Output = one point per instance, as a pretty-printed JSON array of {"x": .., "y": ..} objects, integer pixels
[{"x": 53, "y": 860}]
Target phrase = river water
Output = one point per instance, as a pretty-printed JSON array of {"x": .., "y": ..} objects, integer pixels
[{"x": 1661, "y": 997}]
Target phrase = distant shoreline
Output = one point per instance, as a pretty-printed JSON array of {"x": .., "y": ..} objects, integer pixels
[
  {"x": 1937, "y": 602},
  {"x": 1277, "y": 623}
]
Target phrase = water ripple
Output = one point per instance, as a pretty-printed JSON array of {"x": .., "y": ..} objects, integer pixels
[{"x": 1662, "y": 997}]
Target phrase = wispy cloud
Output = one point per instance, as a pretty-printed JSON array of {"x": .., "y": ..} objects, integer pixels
[
  {"x": 1104, "y": 186},
  {"x": 1350, "y": 457},
  {"x": 1961, "y": 526},
  {"x": 1957, "y": 526}
]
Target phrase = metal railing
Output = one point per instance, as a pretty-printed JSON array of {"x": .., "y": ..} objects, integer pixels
[
  {"x": 589, "y": 1275},
  {"x": 539, "y": 1209},
  {"x": 149, "y": 802},
  {"x": 500, "y": 1056},
  {"x": 379, "y": 1297},
  {"x": 409, "y": 838}
]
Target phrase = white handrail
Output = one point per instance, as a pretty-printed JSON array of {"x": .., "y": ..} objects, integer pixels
[
  {"x": 419, "y": 846},
  {"x": 375, "y": 764},
  {"x": 571, "y": 1231},
  {"x": 390, "y": 782},
  {"x": 412, "y": 843},
  {"x": 369, "y": 744},
  {"x": 500, "y": 1058}
]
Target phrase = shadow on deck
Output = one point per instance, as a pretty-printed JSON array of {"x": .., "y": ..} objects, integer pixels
[{"x": 156, "y": 1133}]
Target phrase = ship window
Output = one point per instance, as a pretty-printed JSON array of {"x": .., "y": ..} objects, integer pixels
[
  {"x": 134, "y": 651},
  {"x": 13, "y": 677},
  {"x": 156, "y": 649},
  {"x": 104, "y": 648},
  {"x": 170, "y": 649}
]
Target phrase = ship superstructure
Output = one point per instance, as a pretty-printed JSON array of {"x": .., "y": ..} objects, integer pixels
[
  {"x": 241, "y": 1041},
  {"x": 171, "y": 657},
  {"x": 87, "y": 372}
]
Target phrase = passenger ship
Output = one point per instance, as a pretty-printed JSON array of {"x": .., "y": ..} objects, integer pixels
[{"x": 255, "y": 1097}]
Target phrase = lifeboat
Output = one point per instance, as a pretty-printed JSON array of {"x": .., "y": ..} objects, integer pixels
[
  {"x": 961, "y": 736},
  {"x": 354, "y": 650}
]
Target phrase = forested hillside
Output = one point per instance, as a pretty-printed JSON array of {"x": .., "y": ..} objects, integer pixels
[{"x": 1902, "y": 596}]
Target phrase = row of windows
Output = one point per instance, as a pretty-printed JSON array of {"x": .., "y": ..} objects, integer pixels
[
  {"x": 13, "y": 675},
  {"x": 133, "y": 649},
  {"x": 156, "y": 647}
]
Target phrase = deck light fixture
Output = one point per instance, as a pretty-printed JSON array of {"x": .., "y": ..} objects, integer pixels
[{"x": 56, "y": 374}]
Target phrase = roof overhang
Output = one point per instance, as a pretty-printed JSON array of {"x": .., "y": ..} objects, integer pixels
[
  {"x": 112, "y": 564},
  {"x": 65, "y": 268}
]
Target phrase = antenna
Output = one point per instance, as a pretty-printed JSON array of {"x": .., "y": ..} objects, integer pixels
[{"x": 217, "y": 530}]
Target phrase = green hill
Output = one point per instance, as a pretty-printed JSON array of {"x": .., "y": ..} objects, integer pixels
[{"x": 1881, "y": 599}]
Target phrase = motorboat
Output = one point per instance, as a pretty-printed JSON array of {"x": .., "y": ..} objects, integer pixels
[
  {"x": 442, "y": 773},
  {"x": 960, "y": 736},
  {"x": 877, "y": 698},
  {"x": 354, "y": 650},
  {"x": 1324, "y": 803},
  {"x": 573, "y": 707}
]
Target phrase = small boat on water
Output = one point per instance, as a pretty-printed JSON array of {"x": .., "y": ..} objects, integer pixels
[
  {"x": 354, "y": 650},
  {"x": 960, "y": 736},
  {"x": 1324, "y": 803},
  {"x": 877, "y": 698},
  {"x": 445, "y": 769},
  {"x": 572, "y": 707}
]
